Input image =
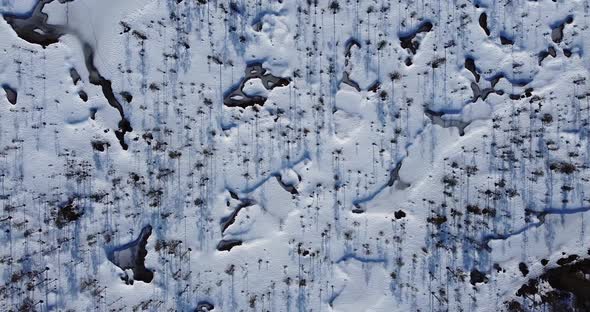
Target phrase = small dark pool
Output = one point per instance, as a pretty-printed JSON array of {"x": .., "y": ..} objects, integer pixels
[{"x": 131, "y": 256}]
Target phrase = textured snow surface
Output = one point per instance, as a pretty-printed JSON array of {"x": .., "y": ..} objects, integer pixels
[{"x": 294, "y": 155}]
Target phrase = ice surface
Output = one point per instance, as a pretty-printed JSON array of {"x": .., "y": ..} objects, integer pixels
[{"x": 329, "y": 155}]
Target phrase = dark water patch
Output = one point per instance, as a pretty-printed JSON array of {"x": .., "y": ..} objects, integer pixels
[
  {"x": 233, "y": 195},
  {"x": 494, "y": 80},
  {"x": 480, "y": 93},
  {"x": 470, "y": 66},
  {"x": 238, "y": 100},
  {"x": 236, "y": 96},
  {"x": 522, "y": 82},
  {"x": 394, "y": 177},
  {"x": 228, "y": 244},
  {"x": 93, "y": 111},
  {"x": 11, "y": 94},
  {"x": 131, "y": 256},
  {"x": 506, "y": 40},
  {"x": 557, "y": 33},
  {"x": 34, "y": 29},
  {"x": 524, "y": 269},
  {"x": 346, "y": 80},
  {"x": 557, "y": 29},
  {"x": 75, "y": 75},
  {"x": 83, "y": 95},
  {"x": 358, "y": 209},
  {"x": 515, "y": 97},
  {"x": 409, "y": 41},
  {"x": 286, "y": 186},
  {"x": 124, "y": 127},
  {"x": 229, "y": 220},
  {"x": 544, "y": 54},
  {"x": 350, "y": 43},
  {"x": 483, "y": 23},
  {"x": 374, "y": 87},
  {"x": 97, "y": 79},
  {"x": 437, "y": 119},
  {"x": 394, "y": 174}
]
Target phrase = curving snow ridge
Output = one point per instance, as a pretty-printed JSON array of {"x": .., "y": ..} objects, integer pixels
[{"x": 330, "y": 155}]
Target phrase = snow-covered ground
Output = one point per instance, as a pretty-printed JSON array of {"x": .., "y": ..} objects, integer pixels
[{"x": 294, "y": 155}]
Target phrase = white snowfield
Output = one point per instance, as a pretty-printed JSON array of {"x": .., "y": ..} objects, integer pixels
[{"x": 294, "y": 155}]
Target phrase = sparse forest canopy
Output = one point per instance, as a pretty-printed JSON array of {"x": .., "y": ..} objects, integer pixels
[{"x": 294, "y": 155}]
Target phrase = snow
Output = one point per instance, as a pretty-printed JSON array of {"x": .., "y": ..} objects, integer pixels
[{"x": 371, "y": 178}]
